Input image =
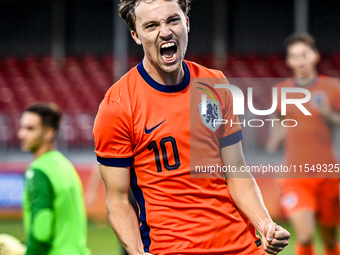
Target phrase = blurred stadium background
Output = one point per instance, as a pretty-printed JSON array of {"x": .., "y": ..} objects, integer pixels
[{"x": 71, "y": 51}]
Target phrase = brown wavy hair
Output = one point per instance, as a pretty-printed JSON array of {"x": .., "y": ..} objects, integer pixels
[
  {"x": 301, "y": 37},
  {"x": 127, "y": 10}
]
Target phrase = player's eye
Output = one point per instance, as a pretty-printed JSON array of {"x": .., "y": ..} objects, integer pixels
[
  {"x": 150, "y": 26},
  {"x": 174, "y": 20}
]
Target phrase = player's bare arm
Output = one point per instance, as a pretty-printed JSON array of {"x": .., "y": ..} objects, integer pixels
[
  {"x": 247, "y": 197},
  {"x": 122, "y": 216},
  {"x": 329, "y": 114},
  {"x": 277, "y": 134}
]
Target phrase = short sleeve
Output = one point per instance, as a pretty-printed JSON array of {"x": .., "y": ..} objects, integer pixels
[
  {"x": 231, "y": 131},
  {"x": 112, "y": 134}
]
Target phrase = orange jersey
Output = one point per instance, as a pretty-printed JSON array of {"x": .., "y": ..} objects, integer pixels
[
  {"x": 149, "y": 127},
  {"x": 310, "y": 142},
  {"x": 320, "y": 196}
]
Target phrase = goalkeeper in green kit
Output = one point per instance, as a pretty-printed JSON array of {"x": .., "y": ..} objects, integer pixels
[{"x": 53, "y": 203}]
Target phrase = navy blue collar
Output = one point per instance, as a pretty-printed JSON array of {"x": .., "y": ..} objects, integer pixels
[{"x": 164, "y": 88}]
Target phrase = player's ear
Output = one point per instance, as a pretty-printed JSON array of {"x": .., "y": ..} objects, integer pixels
[
  {"x": 188, "y": 24},
  {"x": 49, "y": 134},
  {"x": 317, "y": 57},
  {"x": 135, "y": 37}
]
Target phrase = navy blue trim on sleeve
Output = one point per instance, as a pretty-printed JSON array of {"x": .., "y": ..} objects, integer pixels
[
  {"x": 115, "y": 162},
  {"x": 164, "y": 88},
  {"x": 231, "y": 139}
]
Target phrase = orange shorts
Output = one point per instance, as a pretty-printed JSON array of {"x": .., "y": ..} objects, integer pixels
[{"x": 318, "y": 195}]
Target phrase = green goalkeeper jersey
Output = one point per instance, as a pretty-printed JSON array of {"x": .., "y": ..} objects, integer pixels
[{"x": 54, "y": 211}]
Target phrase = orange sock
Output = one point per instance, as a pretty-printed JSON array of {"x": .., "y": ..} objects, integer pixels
[
  {"x": 305, "y": 250},
  {"x": 335, "y": 251}
]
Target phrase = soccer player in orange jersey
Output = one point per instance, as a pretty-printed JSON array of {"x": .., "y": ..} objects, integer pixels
[
  {"x": 144, "y": 140},
  {"x": 310, "y": 200}
]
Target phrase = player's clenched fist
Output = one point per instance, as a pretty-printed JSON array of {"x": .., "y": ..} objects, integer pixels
[{"x": 274, "y": 238}]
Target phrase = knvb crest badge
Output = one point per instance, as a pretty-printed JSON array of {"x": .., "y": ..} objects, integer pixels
[
  {"x": 213, "y": 112},
  {"x": 319, "y": 97}
]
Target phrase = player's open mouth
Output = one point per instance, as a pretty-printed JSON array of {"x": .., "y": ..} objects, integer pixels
[{"x": 168, "y": 51}]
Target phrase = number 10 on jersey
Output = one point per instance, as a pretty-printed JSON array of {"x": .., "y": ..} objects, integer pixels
[{"x": 154, "y": 147}]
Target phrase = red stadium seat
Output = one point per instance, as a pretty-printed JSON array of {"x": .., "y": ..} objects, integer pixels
[{"x": 79, "y": 84}]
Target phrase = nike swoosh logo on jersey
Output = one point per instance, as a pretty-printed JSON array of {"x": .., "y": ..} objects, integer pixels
[{"x": 148, "y": 131}]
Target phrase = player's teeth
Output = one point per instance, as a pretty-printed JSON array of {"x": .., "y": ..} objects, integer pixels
[{"x": 167, "y": 45}]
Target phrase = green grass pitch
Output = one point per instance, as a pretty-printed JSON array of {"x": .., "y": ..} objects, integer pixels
[{"x": 102, "y": 240}]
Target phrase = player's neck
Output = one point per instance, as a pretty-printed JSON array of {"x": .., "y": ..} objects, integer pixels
[
  {"x": 306, "y": 79},
  {"x": 44, "y": 148},
  {"x": 311, "y": 74},
  {"x": 158, "y": 75}
]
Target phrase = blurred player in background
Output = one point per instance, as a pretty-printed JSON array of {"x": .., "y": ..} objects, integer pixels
[
  {"x": 53, "y": 203},
  {"x": 310, "y": 200},
  {"x": 142, "y": 136}
]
